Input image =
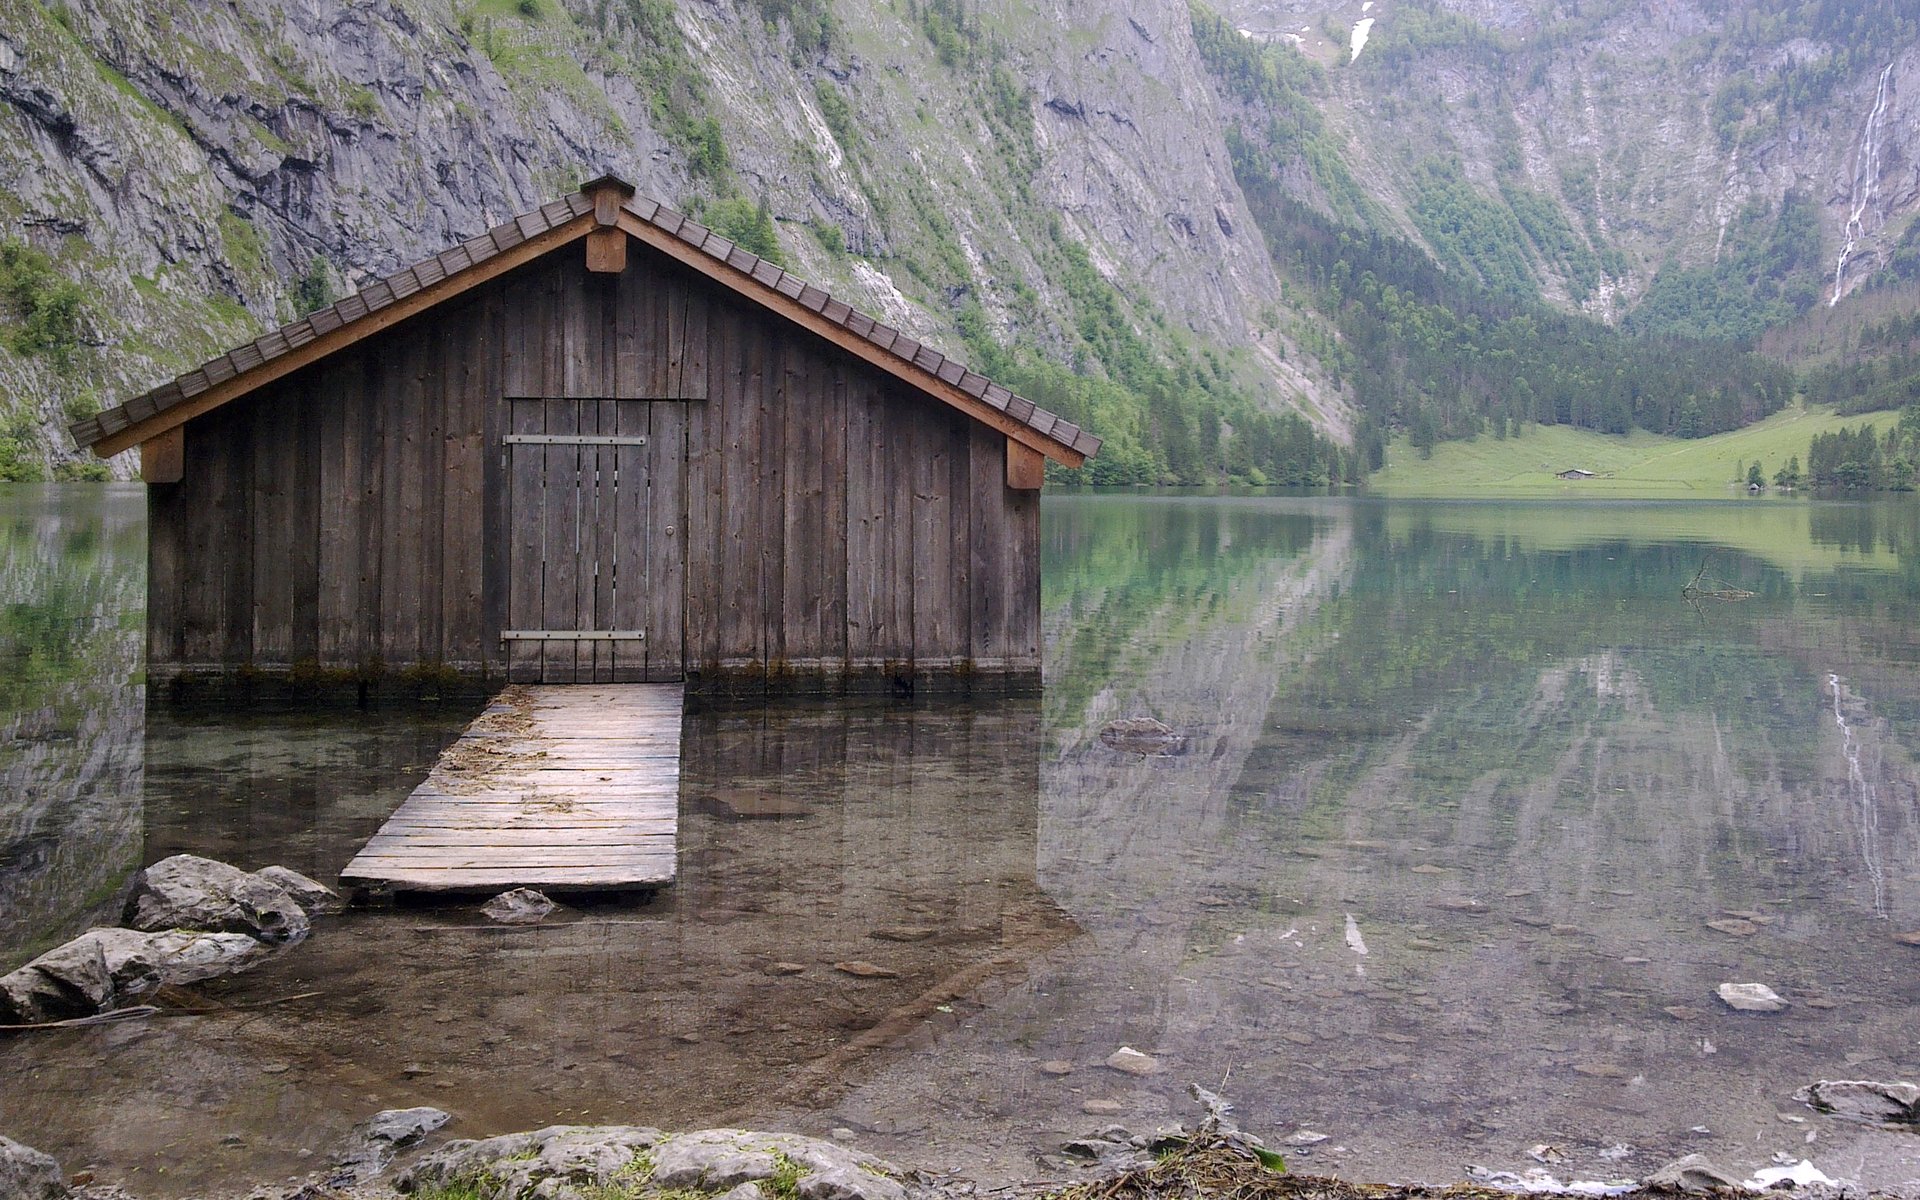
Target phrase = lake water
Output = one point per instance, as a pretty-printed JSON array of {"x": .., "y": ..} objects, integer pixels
[{"x": 1463, "y": 785}]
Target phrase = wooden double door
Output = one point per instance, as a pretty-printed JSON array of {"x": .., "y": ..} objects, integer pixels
[{"x": 596, "y": 560}]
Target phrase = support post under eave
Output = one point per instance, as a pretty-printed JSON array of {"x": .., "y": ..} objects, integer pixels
[
  {"x": 1026, "y": 467},
  {"x": 163, "y": 457},
  {"x": 607, "y": 243}
]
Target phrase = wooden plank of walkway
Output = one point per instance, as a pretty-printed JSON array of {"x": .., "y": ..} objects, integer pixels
[{"x": 567, "y": 787}]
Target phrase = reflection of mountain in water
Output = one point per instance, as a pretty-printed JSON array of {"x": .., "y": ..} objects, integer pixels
[
  {"x": 1531, "y": 775},
  {"x": 72, "y": 585}
]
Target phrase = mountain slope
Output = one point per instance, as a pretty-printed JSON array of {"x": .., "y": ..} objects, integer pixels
[{"x": 1060, "y": 195}]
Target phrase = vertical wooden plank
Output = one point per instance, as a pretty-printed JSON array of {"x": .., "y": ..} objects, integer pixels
[
  {"x": 697, "y": 364},
  {"x": 743, "y": 376},
  {"x": 932, "y": 541},
  {"x": 900, "y": 453},
  {"x": 770, "y": 529},
  {"x": 866, "y": 523},
  {"x": 830, "y": 394},
  {"x": 560, "y": 564},
  {"x": 494, "y": 347},
  {"x": 955, "y": 636},
  {"x": 611, "y": 509},
  {"x": 638, "y": 306},
  {"x": 169, "y": 522},
  {"x": 234, "y": 558},
  {"x": 338, "y": 561},
  {"x": 403, "y": 547},
  {"x": 526, "y": 602},
  {"x": 303, "y": 510},
  {"x": 988, "y": 541},
  {"x": 623, "y": 542},
  {"x": 706, "y": 430},
  {"x": 268, "y": 458},
  {"x": 368, "y": 381},
  {"x": 463, "y": 532},
  {"x": 794, "y": 624},
  {"x": 430, "y": 465},
  {"x": 1022, "y": 580},
  {"x": 664, "y": 545}
]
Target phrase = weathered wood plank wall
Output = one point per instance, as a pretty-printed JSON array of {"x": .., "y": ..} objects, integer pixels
[{"x": 832, "y": 526}]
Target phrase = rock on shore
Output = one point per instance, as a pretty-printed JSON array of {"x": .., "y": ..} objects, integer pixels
[
  {"x": 564, "y": 1159},
  {"x": 193, "y": 919}
]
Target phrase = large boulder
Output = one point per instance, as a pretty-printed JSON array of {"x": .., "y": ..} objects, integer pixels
[
  {"x": 1864, "y": 1100},
  {"x": 27, "y": 1174},
  {"x": 103, "y": 969},
  {"x": 190, "y": 892},
  {"x": 66, "y": 982},
  {"x": 515, "y": 1165},
  {"x": 189, "y": 956},
  {"x": 570, "y": 1159},
  {"x": 375, "y": 1141}
]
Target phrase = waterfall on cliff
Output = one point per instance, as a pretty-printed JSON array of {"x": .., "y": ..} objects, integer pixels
[{"x": 1864, "y": 188}]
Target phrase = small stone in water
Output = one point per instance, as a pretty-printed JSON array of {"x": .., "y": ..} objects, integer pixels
[
  {"x": 521, "y": 906},
  {"x": 1600, "y": 1070},
  {"x": 917, "y": 933},
  {"x": 865, "y": 970},
  {"x": 1751, "y": 997},
  {"x": 1130, "y": 1061}
]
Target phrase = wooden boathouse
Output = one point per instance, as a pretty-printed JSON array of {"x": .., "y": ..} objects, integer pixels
[{"x": 599, "y": 443}]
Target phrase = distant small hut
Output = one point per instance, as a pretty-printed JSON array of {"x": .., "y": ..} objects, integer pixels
[
  {"x": 1575, "y": 473},
  {"x": 598, "y": 443}
]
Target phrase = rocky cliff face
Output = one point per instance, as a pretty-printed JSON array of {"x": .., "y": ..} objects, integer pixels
[
  {"x": 200, "y": 170},
  {"x": 1656, "y": 129},
  {"x": 195, "y": 167}
]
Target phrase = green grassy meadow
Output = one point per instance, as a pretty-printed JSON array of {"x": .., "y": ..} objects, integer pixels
[{"x": 1640, "y": 466}]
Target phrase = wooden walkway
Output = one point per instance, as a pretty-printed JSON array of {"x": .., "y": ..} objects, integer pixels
[{"x": 571, "y": 787}]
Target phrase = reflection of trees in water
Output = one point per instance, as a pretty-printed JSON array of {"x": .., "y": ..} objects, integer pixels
[{"x": 72, "y": 584}]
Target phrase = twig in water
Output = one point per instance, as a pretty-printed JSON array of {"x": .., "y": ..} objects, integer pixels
[{"x": 134, "y": 1013}]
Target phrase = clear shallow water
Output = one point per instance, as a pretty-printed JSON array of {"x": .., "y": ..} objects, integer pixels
[{"x": 1488, "y": 744}]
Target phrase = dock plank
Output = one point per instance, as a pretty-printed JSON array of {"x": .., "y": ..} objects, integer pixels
[{"x": 570, "y": 787}]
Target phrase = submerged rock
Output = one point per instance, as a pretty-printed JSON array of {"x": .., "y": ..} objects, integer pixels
[
  {"x": 66, "y": 982},
  {"x": 1130, "y": 1061},
  {"x": 521, "y": 906},
  {"x": 190, "y": 892},
  {"x": 313, "y": 897},
  {"x": 1751, "y": 997},
  {"x": 104, "y": 969},
  {"x": 1864, "y": 1100},
  {"x": 27, "y": 1174},
  {"x": 1143, "y": 735},
  {"x": 1694, "y": 1173},
  {"x": 374, "y": 1142}
]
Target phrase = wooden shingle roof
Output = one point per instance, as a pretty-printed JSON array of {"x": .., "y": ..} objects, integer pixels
[{"x": 539, "y": 232}]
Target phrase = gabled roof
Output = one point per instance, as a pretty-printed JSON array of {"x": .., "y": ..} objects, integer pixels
[{"x": 605, "y": 203}]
